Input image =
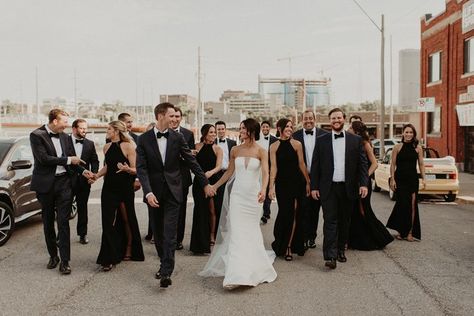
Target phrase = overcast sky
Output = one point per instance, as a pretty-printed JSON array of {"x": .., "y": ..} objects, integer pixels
[{"x": 135, "y": 50}]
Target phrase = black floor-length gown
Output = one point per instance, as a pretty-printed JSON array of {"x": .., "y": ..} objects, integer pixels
[
  {"x": 366, "y": 231},
  {"x": 407, "y": 180},
  {"x": 201, "y": 232},
  {"x": 289, "y": 189},
  {"x": 118, "y": 188}
]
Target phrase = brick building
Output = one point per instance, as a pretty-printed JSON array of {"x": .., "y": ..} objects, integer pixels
[{"x": 447, "y": 74}]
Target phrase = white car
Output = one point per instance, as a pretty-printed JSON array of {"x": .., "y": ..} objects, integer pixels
[
  {"x": 388, "y": 144},
  {"x": 441, "y": 175}
]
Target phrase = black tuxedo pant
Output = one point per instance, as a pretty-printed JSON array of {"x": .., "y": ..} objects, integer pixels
[
  {"x": 337, "y": 210},
  {"x": 310, "y": 208},
  {"x": 82, "y": 192},
  {"x": 182, "y": 214},
  {"x": 165, "y": 223},
  {"x": 57, "y": 204}
]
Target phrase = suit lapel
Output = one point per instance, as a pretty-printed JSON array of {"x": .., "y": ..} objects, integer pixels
[
  {"x": 168, "y": 145},
  {"x": 154, "y": 145},
  {"x": 49, "y": 141},
  {"x": 228, "y": 145}
]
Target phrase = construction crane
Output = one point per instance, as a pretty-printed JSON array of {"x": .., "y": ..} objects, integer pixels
[{"x": 290, "y": 58}]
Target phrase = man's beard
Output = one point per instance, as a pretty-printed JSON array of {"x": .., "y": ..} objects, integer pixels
[{"x": 341, "y": 127}]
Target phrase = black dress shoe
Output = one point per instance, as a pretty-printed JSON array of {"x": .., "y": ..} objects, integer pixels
[
  {"x": 179, "y": 246},
  {"x": 311, "y": 244},
  {"x": 341, "y": 256},
  {"x": 264, "y": 219},
  {"x": 53, "y": 262},
  {"x": 64, "y": 267},
  {"x": 306, "y": 245},
  {"x": 165, "y": 281},
  {"x": 331, "y": 264},
  {"x": 158, "y": 275},
  {"x": 83, "y": 240}
]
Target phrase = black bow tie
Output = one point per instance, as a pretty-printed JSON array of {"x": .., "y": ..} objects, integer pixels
[
  {"x": 311, "y": 132},
  {"x": 221, "y": 140},
  {"x": 341, "y": 135},
  {"x": 80, "y": 141},
  {"x": 53, "y": 135},
  {"x": 266, "y": 137},
  {"x": 160, "y": 134}
]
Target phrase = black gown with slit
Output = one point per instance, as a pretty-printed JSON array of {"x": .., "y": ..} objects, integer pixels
[
  {"x": 201, "y": 232},
  {"x": 117, "y": 189},
  {"x": 289, "y": 190},
  {"x": 407, "y": 180}
]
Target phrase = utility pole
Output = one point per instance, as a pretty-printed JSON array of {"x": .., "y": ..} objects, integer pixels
[
  {"x": 391, "y": 91},
  {"x": 76, "y": 110},
  {"x": 382, "y": 88},
  {"x": 196, "y": 121},
  {"x": 37, "y": 101}
]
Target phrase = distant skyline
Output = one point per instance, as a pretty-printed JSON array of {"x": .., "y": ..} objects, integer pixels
[{"x": 135, "y": 50}]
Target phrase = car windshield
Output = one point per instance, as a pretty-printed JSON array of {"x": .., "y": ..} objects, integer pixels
[{"x": 3, "y": 150}]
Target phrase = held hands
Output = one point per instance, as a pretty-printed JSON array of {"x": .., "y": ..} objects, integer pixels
[
  {"x": 209, "y": 191},
  {"x": 152, "y": 200},
  {"x": 261, "y": 196},
  {"x": 363, "y": 191},
  {"x": 393, "y": 184},
  {"x": 76, "y": 160},
  {"x": 315, "y": 194}
]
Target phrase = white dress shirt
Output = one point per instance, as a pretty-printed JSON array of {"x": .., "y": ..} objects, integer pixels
[
  {"x": 339, "y": 156},
  {"x": 162, "y": 142},
  {"x": 264, "y": 143},
  {"x": 59, "y": 150},
  {"x": 309, "y": 143},
  {"x": 77, "y": 146},
  {"x": 225, "y": 150}
]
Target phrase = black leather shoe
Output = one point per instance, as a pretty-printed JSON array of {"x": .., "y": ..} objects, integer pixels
[
  {"x": 306, "y": 245},
  {"x": 341, "y": 256},
  {"x": 179, "y": 246},
  {"x": 165, "y": 281},
  {"x": 83, "y": 240},
  {"x": 331, "y": 264},
  {"x": 311, "y": 244},
  {"x": 64, "y": 267},
  {"x": 158, "y": 275},
  {"x": 53, "y": 262}
]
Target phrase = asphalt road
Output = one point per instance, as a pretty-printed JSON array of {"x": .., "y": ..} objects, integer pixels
[{"x": 431, "y": 277}]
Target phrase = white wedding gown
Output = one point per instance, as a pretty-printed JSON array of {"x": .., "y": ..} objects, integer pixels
[{"x": 239, "y": 254}]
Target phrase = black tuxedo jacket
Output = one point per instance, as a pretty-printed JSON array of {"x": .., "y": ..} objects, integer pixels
[
  {"x": 322, "y": 166},
  {"x": 134, "y": 136},
  {"x": 230, "y": 143},
  {"x": 299, "y": 136},
  {"x": 89, "y": 155},
  {"x": 189, "y": 138},
  {"x": 154, "y": 175},
  {"x": 46, "y": 159}
]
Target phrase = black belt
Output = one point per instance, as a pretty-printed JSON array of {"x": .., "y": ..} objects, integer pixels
[
  {"x": 339, "y": 182},
  {"x": 60, "y": 174}
]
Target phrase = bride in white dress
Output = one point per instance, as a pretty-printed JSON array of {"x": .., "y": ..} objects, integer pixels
[{"x": 239, "y": 254}]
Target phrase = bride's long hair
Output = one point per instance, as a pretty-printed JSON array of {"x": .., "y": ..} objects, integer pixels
[{"x": 252, "y": 127}]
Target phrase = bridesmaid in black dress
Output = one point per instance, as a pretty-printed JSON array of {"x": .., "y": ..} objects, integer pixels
[
  {"x": 287, "y": 182},
  {"x": 405, "y": 183},
  {"x": 120, "y": 233},
  {"x": 209, "y": 156},
  {"x": 366, "y": 231}
]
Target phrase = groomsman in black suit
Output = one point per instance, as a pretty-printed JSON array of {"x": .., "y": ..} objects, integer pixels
[
  {"x": 186, "y": 173},
  {"x": 85, "y": 149},
  {"x": 266, "y": 139},
  {"x": 338, "y": 177},
  {"x": 159, "y": 154},
  {"x": 226, "y": 145},
  {"x": 310, "y": 207},
  {"x": 128, "y": 120},
  {"x": 54, "y": 163}
]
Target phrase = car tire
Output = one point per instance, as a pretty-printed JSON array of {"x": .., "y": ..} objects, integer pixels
[
  {"x": 73, "y": 209},
  {"x": 375, "y": 187},
  {"x": 7, "y": 222},
  {"x": 450, "y": 197},
  {"x": 392, "y": 195}
]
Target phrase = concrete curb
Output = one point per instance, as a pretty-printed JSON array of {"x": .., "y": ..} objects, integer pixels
[{"x": 465, "y": 199}]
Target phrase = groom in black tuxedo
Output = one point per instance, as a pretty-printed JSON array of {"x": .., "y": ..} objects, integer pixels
[
  {"x": 338, "y": 176},
  {"x": 159, "y": 154},
  {"x": 55, "y": 163}
]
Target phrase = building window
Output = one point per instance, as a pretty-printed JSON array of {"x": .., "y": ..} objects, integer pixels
[
  {"x": 434, "y": 121},
  {"x": 434, "y": 67},
  {"x": 469, "y": 55}
]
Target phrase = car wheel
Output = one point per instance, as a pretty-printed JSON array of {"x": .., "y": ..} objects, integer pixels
[
  {"x": 73, "y": 209},
  {"x": 450, "y": 197},
  {"x": 375, "y": 187},
  {"x": 392, "y": 195},
  {"x": 7, "y": 222}
]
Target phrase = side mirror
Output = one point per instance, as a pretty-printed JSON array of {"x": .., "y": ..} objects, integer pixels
[{"x": 20, "y": 164}]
